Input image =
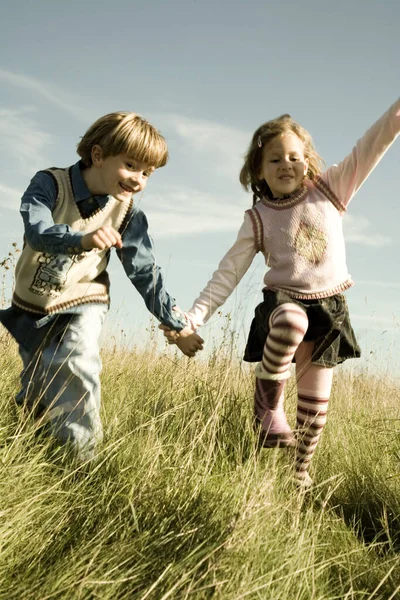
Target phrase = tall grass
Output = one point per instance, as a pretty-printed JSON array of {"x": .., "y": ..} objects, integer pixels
[{"x": 180, "y": 504}]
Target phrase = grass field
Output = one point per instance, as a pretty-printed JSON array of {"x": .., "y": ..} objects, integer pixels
[{"x": 179, "y": 503}]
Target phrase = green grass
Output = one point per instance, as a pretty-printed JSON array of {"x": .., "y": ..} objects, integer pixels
[{"x": 180, "y": 504}]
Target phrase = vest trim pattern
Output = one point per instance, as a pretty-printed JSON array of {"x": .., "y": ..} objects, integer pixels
[
  {"x": 258, "y": 228},
  {"x": 313, "y": 295},
  {"x": 328, "y": 193},
  {"x": 288, "y": 202},
  {"x": 63, "y": 306}
]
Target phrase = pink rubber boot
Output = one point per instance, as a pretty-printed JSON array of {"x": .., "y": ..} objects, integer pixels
[{"x": 270, "y": 418}]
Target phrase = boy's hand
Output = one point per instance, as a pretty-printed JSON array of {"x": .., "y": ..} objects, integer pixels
[
  {"x": 189, "y": 342},
  {"x": 170, "y": 334},
  {"x": 105, "y": 237}
]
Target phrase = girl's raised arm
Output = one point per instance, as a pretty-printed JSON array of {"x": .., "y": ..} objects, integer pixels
[{"x": 346, "y": 178}]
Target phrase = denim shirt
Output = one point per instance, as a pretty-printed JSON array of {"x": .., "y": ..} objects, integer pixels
[{"x": 136, "y": 255}]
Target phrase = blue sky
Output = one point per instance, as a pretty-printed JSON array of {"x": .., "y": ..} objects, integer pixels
[{"x": 207, "y": 74}]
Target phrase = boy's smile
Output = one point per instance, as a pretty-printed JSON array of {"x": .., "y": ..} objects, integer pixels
[
  {"x": 283, "y": 164},
  {"x": 119, "y": 176}
]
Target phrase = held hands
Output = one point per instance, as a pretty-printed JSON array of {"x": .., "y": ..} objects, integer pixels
[
  {"x": 102, "y": 238},
  {"x": 187, "y": 341}
]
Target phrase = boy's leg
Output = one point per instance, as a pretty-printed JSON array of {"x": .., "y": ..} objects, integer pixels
[
  {"x": 31, "y": 377},
  {"x": 71, "y": 383},
  {"x": 314, "y": 384},
  {"x": 288, "y": 325}
]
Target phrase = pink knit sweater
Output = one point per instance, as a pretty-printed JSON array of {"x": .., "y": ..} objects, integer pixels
[{"x": 301, "y": 237}]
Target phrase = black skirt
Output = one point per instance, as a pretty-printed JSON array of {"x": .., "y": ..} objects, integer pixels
[{"x": 328, "y": 326}]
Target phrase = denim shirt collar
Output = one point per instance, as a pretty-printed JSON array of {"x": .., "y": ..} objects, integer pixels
[{"x": 79, "y": 187}]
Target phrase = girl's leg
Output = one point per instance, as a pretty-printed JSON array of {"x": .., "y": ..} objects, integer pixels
[
  {"x": 71, "y": 391},
  {"x": 288, "y": 325},
  {"x": 273, "y": 430},
  {"x": 314, "y": 385}
]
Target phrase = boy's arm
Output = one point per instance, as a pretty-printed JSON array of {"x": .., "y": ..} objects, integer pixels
[
  {"x": 41, "y": 233},
  {"x": 139, "y": 263},
  {"x": 346, "y": 178}
]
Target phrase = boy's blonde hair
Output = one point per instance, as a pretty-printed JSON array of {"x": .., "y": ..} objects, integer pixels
[
  {"x": 263, "y": 135},
  {"x": 125, "y": 133}
]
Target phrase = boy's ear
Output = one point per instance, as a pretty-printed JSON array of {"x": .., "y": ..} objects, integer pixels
[{"x": 97, "y": 155}]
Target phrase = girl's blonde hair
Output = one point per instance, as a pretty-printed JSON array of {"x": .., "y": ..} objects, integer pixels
[
  {"x": 249, "y": 175},
  {"x": 124, "y": 133}
]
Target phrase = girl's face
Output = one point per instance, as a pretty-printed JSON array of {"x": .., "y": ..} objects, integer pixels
[{"x": 283, "y": 164}]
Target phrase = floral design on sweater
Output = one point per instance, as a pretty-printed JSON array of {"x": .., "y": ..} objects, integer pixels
[{"x": 310, "y": 242}]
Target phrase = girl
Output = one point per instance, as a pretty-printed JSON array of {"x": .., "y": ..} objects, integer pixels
[{"x": 296, "y": 222}]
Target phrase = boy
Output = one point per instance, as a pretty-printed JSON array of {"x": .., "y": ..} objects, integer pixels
[{"x": 72, "y": 218}]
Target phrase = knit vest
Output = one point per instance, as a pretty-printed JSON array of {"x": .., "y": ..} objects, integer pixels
[
  {"x": 49, "y": 283},
  {"x": 302, "y": 240}
]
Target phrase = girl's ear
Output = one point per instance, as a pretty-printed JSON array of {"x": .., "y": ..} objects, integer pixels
[
  {"x": 97, "y": 155},
  {"x": 306, "y": 163}
]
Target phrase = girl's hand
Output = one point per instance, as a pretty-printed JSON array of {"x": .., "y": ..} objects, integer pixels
[
  {"x": 189, "y": 342},
  {"x": 105, "y": 237}
]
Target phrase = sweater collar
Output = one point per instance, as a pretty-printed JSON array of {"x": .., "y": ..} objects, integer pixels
[{"x": 286, "y": 201}]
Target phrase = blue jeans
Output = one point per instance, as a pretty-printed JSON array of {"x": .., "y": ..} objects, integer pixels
[{"x": 61, "y": 381}]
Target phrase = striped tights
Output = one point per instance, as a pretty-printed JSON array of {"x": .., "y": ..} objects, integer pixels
[
  {"x": 288, "y": 325},
  {"x": 314, "y": 384}
]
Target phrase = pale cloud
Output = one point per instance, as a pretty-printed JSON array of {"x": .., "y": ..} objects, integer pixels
[
  {"x": 376, "y": 319},
  {"x": 181, "y": 211},
  {"x": 222, "y": 146},
  {"x": 10, "y": 197},
  {"x": 378, "y": 323},
  {"x": 49, "y": 92},
  {"x": 384, "y": 284},
  {"x": 21, "y": 139},
  {"x": 359, "y": 230}
]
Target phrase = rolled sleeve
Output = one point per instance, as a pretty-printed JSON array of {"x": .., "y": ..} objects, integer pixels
[{"x": 41, "y": 233}]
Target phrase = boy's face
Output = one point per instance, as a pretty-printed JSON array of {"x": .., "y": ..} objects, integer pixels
[{"x": 120, "y": 176}]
